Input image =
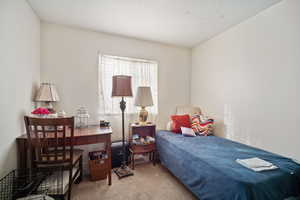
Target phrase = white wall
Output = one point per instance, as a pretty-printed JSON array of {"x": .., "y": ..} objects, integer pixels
[
  {"x": 19, "y": 75},
  {"x": 69, "y": 58},
  {"x": 248, "y": 79}
]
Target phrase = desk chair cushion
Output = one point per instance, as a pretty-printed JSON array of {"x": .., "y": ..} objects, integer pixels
[
  {"x": 77, "y": 153},
  {"x": 58, "y": 185},
  {"x": 36, "y": 197}
]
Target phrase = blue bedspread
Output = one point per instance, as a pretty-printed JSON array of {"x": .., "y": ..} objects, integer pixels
[{"x": 207, "y": 166}]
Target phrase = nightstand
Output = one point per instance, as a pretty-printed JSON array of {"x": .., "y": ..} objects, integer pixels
[{"x": 138, "y": 149}]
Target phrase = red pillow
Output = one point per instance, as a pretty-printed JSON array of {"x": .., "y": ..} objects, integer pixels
[{"x": 180, "y": 121}]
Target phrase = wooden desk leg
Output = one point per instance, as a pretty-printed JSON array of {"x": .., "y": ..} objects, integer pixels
[
  {"x": 109, "y": 160},
  {"x": 22, "y": 154}
]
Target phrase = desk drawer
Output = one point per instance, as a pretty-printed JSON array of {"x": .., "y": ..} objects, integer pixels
[{"x": 143, "y": 148}]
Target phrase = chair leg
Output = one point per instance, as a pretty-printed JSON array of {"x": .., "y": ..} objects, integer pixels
[
  {"x": 81, "y": 168},
  {"x": 70, "y": 183},
  {"x": 128, "y": 160},
  {"x": 80, "y": 165},
  {"x": 132, "y": 159},
  {"x": 69, "y": 193}
]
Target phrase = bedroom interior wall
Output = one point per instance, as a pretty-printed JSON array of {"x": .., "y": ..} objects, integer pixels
[
  {"x": 19, "y": 76},
  {"x": 69, "y": 58},
  {"x": 247, "y": 78}
]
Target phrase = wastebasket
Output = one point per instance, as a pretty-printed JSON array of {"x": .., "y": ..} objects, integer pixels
[{"x": 98, "y": 163}]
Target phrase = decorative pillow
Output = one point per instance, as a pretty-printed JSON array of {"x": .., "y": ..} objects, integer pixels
[
  {"x": 169, "y": 125},
  {"x": 180, "y": 121},
  {"x": 202, "y": 125},
  {"x": 195, "y": 123},
  {"x": 188, "y": 132}
]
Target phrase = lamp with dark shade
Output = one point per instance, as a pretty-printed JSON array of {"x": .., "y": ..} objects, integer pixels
[{"x": 121, "y": 87}]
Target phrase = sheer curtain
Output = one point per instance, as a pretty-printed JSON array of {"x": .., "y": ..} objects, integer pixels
[{"x": 143, "y": 73}]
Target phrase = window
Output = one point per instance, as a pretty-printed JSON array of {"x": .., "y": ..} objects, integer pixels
[{"x": 143, "y": 72}]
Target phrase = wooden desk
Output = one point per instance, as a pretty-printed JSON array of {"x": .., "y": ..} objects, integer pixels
[{"x": 90, "y": 135}]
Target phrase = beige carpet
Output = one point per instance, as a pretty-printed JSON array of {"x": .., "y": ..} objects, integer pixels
[{"x": 148, "y": 183}]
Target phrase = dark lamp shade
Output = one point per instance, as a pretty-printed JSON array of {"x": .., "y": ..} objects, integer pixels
[{"x": 121, "y": 86}]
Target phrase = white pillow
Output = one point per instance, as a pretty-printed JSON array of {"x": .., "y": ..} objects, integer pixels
[
  {"x": 188, "y": 132},
  {"x": 169, "y": 126}
]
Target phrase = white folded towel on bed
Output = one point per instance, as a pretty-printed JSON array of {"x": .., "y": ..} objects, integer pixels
[{"x": 256, "y": 164}]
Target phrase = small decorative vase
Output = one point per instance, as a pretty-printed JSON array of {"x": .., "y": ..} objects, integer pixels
[{"x": 61, "y": 113}]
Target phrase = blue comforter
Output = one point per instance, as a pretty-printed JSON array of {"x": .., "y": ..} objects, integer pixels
[{"x": 207, "y": 166}]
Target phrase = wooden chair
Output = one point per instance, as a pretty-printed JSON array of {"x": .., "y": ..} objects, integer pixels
[{"x": 51, "y": 140}]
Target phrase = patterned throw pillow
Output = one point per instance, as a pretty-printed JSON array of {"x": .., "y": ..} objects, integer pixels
[
  {"x": 195, "y": 123},
  {"x": 202, "y": 127}
]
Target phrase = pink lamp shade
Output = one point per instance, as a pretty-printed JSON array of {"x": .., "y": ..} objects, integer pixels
[
  {"x": 121, "y": 86},
  {"x": 47, "y": 93}
]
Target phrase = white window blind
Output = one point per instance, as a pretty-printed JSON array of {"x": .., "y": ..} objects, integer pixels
[{"x": 143, "y": 73}]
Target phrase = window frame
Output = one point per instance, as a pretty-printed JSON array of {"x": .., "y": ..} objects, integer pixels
[{"x": 130, "y": 59}]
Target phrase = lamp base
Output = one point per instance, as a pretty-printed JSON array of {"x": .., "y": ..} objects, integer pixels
[
  {"x": 49, "y": 106},
  {"x": 143, "y": 115},
  {"x": 123, "y": 171}
]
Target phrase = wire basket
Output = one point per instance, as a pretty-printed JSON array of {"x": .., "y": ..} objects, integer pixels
[
  {"x": 22, "y": 183},
  {"x": 37, "y": 197}
]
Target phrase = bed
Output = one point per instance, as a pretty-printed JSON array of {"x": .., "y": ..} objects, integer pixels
[{"x": 207, "y": 167}]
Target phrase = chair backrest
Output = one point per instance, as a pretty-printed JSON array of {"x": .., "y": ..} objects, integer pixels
[{"x": 51, "y": 139}]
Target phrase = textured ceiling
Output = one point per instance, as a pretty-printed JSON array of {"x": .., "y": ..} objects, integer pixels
[{"x": 177, "y": 22}]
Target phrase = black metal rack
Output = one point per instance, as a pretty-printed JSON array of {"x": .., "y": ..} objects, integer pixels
[{"x": 21, "y": 183}]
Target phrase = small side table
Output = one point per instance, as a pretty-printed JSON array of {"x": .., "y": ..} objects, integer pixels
[{"x": 142, "y": 131}]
